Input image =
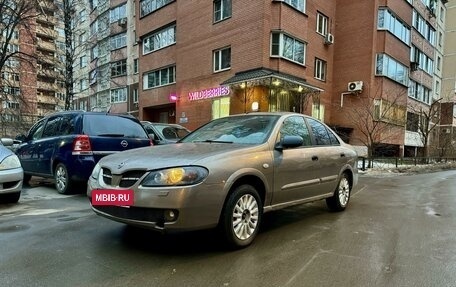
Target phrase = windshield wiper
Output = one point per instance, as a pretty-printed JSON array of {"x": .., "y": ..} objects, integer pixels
[{"x": 214, "y": 141}]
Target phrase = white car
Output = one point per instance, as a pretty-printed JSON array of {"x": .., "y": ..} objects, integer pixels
[{"x": 11, "y": 173}]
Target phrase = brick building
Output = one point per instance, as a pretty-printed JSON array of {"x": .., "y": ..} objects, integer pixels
[{"x": 341, "y": 61}]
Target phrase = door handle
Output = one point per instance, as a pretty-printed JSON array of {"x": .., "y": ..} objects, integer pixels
[{"x": 314, "y": 158}]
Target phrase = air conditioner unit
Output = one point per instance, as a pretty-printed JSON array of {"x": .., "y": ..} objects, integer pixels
[
  {"x": 356, "y": 86},
  {"x": 414, "y": 66},
  {"x": 329, "y": 39},
  {"x": 122, "y": 22}
]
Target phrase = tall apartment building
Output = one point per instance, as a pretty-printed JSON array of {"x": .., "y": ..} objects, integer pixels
[
  {"x": 331, "y": 59},
  {"x": 32, "y": 86},
  {"x": 113, "y": 58},
  {"x": 447, "y": 141}
]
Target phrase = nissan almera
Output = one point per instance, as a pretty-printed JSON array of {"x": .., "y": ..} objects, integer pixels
[{"x": 226, "y": 174}]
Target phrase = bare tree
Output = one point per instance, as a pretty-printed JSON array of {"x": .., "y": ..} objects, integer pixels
[
  {"x": 377, "y": 117},
  {"x": 17, "y": 55},
  {"x": 427, "y": 120}
]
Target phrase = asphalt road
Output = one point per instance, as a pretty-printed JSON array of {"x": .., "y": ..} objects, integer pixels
[{"x": 397, "y": 231}]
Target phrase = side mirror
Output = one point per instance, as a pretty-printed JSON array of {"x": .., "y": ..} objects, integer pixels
[
  {"x": 7, "y": 142},
  {"x": 289, "y": 142}
]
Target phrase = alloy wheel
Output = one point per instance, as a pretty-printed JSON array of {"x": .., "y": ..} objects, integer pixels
[{"x": 245, "y": 216}]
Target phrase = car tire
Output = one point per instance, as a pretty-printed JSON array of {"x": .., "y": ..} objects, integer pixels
[
  {"x": 341, "y": 197},
  {"x": 62, "y": 179},
  {"x": 10, "y": 197},
  {"x": 241, "y": 216}
]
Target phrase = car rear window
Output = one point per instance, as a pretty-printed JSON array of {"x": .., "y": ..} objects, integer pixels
[{"x": 113, "y": 126}]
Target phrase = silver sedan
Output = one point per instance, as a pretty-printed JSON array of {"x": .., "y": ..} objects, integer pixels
[
  {"x": 11, "y": 174},
  {"x": 226, "y": 174}
]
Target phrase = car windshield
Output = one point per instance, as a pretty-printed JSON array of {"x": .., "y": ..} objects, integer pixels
[
  {"x": 113, "y": 126},
  {"x": 171, "y": 132},
  {"x": 248, "y": 129}
]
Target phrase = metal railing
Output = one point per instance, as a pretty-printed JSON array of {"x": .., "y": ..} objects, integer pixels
[{"x": 365, "y": 163}]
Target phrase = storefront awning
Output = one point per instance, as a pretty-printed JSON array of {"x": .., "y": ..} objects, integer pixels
[{"x": 267, "y": 76}]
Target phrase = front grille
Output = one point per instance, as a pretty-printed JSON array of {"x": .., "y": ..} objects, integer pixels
[
  {"x": 124, "y": 180},
  {"x": 135, "y": 213}
]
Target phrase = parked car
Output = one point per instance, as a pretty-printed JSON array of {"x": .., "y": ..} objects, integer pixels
[
  {"x": 11, "y": 173},
  {"x": 67, "y": 145},
  {"x": 226, "y": 173},
  {"x": 162, "y": 133}
]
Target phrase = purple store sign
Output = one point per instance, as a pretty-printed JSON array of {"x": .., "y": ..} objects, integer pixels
[{"x": 209, "y": 93}]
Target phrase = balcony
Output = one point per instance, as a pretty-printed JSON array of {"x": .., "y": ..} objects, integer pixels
[
  {"x": 48, "y": 73},
  {"x": 47, "y": 19},
  {"x": 44, "y": 45},
  {"x": 46, "y": 86},
  {"x": 46, "y": 32},
  {"x": 45, "y": 58}
]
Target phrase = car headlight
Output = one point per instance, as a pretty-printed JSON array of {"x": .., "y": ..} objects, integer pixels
[
  {"x": 96, "y": 171},
  {"x": 187, "y": 175},
  {"x": 10, "y": 162}
]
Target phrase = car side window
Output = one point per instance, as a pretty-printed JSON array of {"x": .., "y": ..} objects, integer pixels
[
  {"x": 67, "y": 126},
  {"x": 296, "y": 126},
  {"x": 320, "y": 133},
  {"x": 36, "y": 131},
  {"x": 333, "y": 138},
  {"x": 52, "y": 127}
]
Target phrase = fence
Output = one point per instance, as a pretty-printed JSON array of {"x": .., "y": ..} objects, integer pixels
[{"x": 395, "y": 162}]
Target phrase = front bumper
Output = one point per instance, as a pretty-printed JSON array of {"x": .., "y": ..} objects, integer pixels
[
  {"x": 193, "y": 207},
  {"x": 11, "y": 180}
]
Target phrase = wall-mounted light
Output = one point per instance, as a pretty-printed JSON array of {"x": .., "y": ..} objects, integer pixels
[
  {"x": 172, "y": 98},
  {"x": 242, "y": 85},
  {"x": 276, "y": 82},
  {"x": 255, "y": 106},
  {"x": 300, "y": 88}
]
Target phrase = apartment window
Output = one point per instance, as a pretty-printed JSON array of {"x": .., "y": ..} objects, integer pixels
[
  {"x": 12, "y": 48},
  {"x": 158, "y": 78},
  {"x": 439, "y": 63},
  {"x": 389, "y": 67},
  {"x": 82, "y": 38},
  {"x": 425, "y": 62},
  {"x": 6, "y": 32},
  {"x": 94, "y": 52},
  {"x": 119, "y": 68},
  {"x": 93, "y": 4},
  {"x": 412, "y": 122},
  {"x": 118, "y": 12},
  {"x": 318, "y": 111},
  {"x": 9, "y": 76},
  {"x": 83, "y": 84},
  {"x": 149, "y": 6},
  {"x": 119, "y": 95},
  {"x": 94, "y": 27},
  {"x": 423, "y": 27},
  {"x": 93, "y": 76},
  {"x": 118, "y": 41},
  {"x": 10, "y": 105},
  {"x": 12, "y": 90},
  {"x": 437, "y": 87},
  {"x": 322, "y": 24},
  {"x": 442, "y": 14},
  {"x": 390, "y": 22},
  {"x": 220, "y": 107},
  {"x": 297, "y": 4},
  {"x": 222, "y": 59},
  {"x": 222, "y": 10},
  {"x": 135, "y": 96},
  {"x": 320, "y": 69},
  {"x": 288, "y": 47},
  {"x": 419, "y": 92},
  {"x": 136, "y": 66},
  {"x": 159, "y": 40},
  {"x": 83, "y": 61}
]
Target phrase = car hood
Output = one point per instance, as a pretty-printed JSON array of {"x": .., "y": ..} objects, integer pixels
[
  {"x": 179, "y": 154},
  {"x": 4, "y": 152}
]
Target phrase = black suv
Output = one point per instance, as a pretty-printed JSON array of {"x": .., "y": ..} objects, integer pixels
[{"x": 67, "y": 145}]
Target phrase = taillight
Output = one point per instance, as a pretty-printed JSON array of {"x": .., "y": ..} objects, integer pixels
[{"x": 81, "y": 145}]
